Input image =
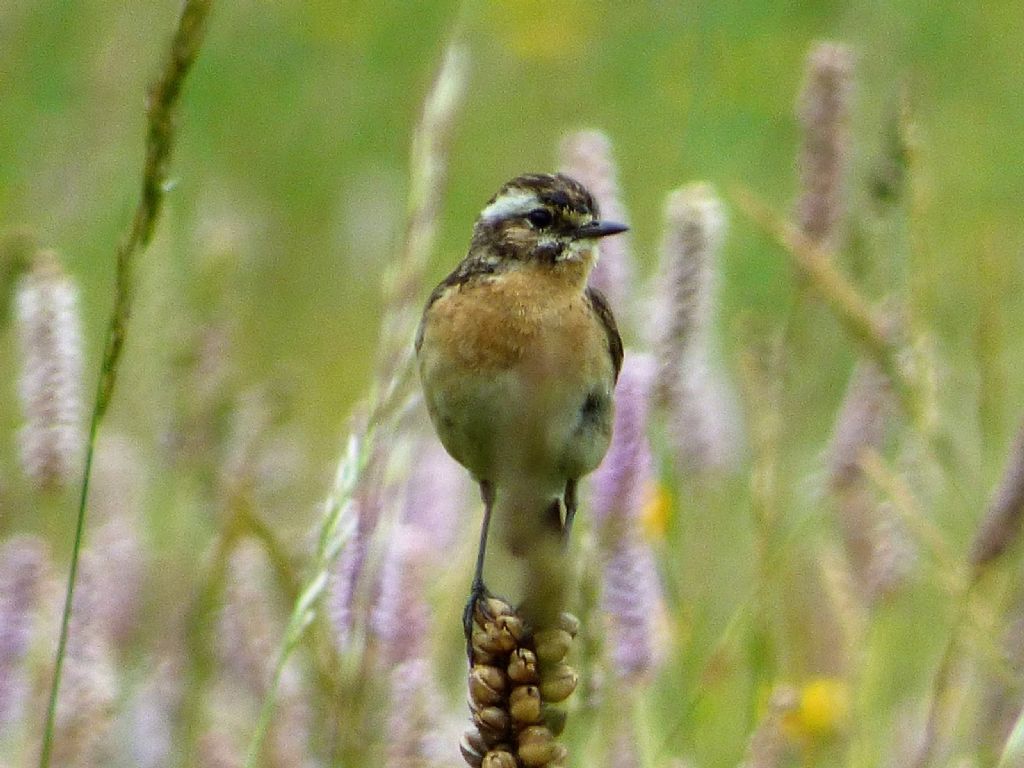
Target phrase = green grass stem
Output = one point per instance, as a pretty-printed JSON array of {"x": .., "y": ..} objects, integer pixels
[{"x": 160, "y": 110}]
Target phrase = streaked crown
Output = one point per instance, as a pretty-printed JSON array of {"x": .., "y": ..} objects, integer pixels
[{"x": 542, "y": 216}]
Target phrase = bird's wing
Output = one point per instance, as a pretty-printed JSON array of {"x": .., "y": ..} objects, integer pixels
[{"x": 604, "y": 313}]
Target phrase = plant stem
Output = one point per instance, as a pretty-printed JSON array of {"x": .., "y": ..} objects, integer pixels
[
  {"x": 69, "y": 596},
  {"x": 391, "y": 391},
  {"x": 857, "y": 317},
  {"x": 160, "y": 109}
]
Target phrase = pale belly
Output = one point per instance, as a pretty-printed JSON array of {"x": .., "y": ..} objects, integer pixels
[{"x": 525, "y": 390}]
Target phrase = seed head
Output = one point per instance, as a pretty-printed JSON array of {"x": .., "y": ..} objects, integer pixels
[
  {"x": 862, "y": 423},
  {"x": 1000, "y": 527},
  {"x": 694, "y": 233},
  {"x": 22, "y": 567},
  {"x": 587, "y": 157},
  {"x": 401, "y": 618},
  {"x": 701, "y": 413},
  {"x": 517, "y": 676},
  {"x": 874, "y": 544},
  {"x": 631, "y": 592},
  {"x": 824, "y": 112},
  {"x": 411, "y": 716},
  {"x": 619, "y": 483},
  {"x": 90, "y": 684},
  {"x": 51, "y": 373}
]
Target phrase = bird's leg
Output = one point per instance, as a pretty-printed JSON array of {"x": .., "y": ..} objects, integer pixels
[
  {"x": 477, "y": 590},
  {"x": 554, "y": 517},
  {"x": 570, "y": 509}
]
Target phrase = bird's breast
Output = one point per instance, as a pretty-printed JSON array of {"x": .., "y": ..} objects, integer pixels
[
  {"x": 524, "y": 319},
  {"x": 510, "y": 365}
]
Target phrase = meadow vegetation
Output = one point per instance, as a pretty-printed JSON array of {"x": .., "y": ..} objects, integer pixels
[{"x": 802, "y": 546}]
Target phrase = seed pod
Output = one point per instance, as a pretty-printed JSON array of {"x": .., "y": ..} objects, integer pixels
[
  {"x": 493, "y": 722},
  {"x": 558, "y": 683},
  {"x": 522, "y": 666},
  {"x": 524, "y": 704},
  {"x": 554, "y": 719},
  {"x": 560, "y": 758},
  {"x": 536, "y": 746},
  {"x": 486, "y": 685},
  {"x": 472, "y": 748},
  {"x": 494, "y": 639},
  {"x": 513, "y": 625},
  {"x": 504, "y": 640},
  {"x": 499, "y": 758},
  {"x": 552, "y": 645},
  {"x": 484, "y": 659},
  {"x": 489, "y": 608},
  {"x": 515, "y": 675}
]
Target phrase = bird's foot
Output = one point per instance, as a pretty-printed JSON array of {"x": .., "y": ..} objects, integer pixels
[{"x": 476, "y": 593}]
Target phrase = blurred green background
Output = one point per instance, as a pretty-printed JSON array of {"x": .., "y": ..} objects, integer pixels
[
  {"x": 291, "y": 178},
  {"x": 296, "y": 123}
]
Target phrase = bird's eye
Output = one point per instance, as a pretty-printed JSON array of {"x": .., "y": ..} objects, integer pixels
[{"x": 539, "y": 217}]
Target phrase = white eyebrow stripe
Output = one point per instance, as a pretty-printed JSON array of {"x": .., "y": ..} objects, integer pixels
[{"x": 511, "y": 203}]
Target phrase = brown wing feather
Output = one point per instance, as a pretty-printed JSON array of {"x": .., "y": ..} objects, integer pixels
[{"x": 604, "y": 314}]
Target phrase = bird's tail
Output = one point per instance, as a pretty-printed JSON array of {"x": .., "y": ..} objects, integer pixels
[{"x": 530, "y": 566}]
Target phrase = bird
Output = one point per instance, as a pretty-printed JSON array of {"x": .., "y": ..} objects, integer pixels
[{"x": 518, "y": 359}]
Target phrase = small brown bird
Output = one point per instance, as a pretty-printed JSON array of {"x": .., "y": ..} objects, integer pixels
[{"x": 518, "y": 358}]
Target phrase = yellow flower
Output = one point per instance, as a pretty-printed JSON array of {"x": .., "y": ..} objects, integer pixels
[
  {"x": 656, "y": 511},
  {"x": 821, "y": 711}
]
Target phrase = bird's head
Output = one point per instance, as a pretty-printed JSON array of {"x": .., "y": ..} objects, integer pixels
[{"x": 541, "y": 219}]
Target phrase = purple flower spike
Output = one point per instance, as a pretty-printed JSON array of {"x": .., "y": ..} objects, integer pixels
[
  {"x": 631, "y": 593},
  {"x": 22, "y": 565},
  {"x": 587, "y": 157},
  {"x": 619, "y": 483}
]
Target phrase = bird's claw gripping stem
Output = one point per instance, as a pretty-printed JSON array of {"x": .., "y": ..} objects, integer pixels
[{"x": 476, "y": 593}]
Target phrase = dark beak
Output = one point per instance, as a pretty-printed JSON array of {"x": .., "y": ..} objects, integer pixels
[{"x": 596, "y": 229}]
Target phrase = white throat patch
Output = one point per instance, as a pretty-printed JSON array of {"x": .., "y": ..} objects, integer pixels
[{"x": 580, "y": 250}]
